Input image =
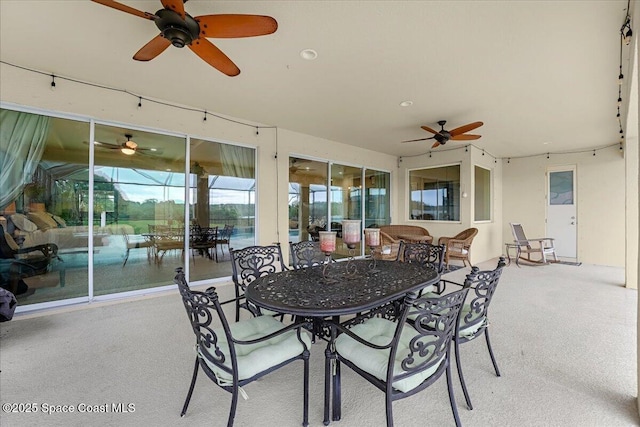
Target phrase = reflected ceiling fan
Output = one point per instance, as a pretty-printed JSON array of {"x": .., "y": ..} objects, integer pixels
[
  {"x": 128, "y": 147},
  {"x": 443, "y": 136},
  {"x": 294, "y": 165},
  {"x": 180, "y": 29}
]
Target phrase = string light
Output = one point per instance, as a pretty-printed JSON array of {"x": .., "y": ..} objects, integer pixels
[
  {"x": 257, "y": 130},
  {"x": 205, "y": 116},
  {"x": 547, "y": 155},
  {"x": 139, "y": 102},
  {"x": 126, "y": 92},
  {"x": 594, "y": 153},
  {"x": 509, "y": 160},
  {"x": 625, "y": 39}
]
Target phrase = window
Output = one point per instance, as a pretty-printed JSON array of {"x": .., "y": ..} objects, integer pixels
[
  {"x": 310, "y": 182},
  {"x": 482, "y": 191},
  {"x": 435, "y": 193},
  {"x": 128, "y": 217}
]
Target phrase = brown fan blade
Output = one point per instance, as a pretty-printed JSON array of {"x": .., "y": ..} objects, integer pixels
[
  {"x": 466, "y": 137},
  {"x": 465, "y": 128},
  {"x": 428, "y": 129},
  {"x": 127, "y": 9},
  {"x": 435, "y": 144},
  {"x": 155, "y": 47},
  {"x": 214, "y": 57},
  {"x": 414, "y": 140},
  {"x": 234, "y": 26},
  {"x": 175, "y": 5}
]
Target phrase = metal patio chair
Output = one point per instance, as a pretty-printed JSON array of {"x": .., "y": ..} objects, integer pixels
[
  {"x": 234, "y": 355},
  {"x": 250, "y": 263},
  {"x": 398, "y": 357}
]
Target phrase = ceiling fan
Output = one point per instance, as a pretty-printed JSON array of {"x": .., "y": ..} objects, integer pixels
[
  {"x": 181, "y": 29},
  {"x": 128, "y": 147},
  {"x": 443, "y": 136}
]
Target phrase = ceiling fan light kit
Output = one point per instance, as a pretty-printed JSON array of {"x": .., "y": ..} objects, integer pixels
[{"x": 180, "y": 29}]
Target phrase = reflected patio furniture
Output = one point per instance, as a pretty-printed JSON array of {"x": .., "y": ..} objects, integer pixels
[
  {"x": 541, "y": 245},
  {"x": 136, "y": 244},
  {"x": 250, "y": 263},
  {"x": 224, "y": 238},
  {"x": 402, "y": 358},
  {"x": 234, "y": 355},
  {"x": 28, "y": 262},
  {"x": 474, "y": 318},
  {"x": 165, "y": 239},
  {"x": 204, "y": 241},
  {"x": 459, "y": 246}
]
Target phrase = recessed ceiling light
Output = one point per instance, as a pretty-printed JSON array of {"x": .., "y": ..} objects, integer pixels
[
  {"x": 547, "y": 143},
  {"x": 309, "y": 54},
  {"x": 406, "y": 103},
  {"x": 153, "y": 149}
]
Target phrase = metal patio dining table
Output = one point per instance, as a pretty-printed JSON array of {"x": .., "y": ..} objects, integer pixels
[{"x": 346, "y": 288}]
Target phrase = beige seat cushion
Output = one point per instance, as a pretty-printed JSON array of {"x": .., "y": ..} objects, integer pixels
[
  {"x": 43, "y": 220},
  {"x": 23, "y": 223}
]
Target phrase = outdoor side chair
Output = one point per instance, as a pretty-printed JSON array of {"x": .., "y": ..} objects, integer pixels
[
  {"x": 401, "y": 358},
  {"x": 234, "y": 355},
  {"x": 247, "y": 265},
  {"x": 474, "y": 317}
]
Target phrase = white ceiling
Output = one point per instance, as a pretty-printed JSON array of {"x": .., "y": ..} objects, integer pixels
[{"x": 541, "y": 75}]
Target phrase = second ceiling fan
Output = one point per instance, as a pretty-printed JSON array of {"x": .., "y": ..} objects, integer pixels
[
  {"x": 180, "y": 29},
  {"x": 443, "y": 136}
]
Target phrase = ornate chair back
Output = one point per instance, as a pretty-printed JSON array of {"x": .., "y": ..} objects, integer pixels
[
  {"x": 423, "y": 253},
  {"x": 402, "y": 358},
  {"x": 253, "y": 262},
  {"x": 306, "y": 254},
  {"x": 473, "y": 317}
]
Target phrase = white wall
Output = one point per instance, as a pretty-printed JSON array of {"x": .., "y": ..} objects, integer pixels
[{"x": 600, "y": 190}]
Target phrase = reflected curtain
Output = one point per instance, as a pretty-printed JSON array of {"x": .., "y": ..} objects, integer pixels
[
  {"x": 22, "y": 142},
  {"x": 237, "y": 161}
]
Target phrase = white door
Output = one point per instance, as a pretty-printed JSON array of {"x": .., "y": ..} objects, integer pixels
[{"x": 561, "y": 210}]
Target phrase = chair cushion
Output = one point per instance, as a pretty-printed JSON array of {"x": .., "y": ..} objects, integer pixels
[
  {"x": 256, "y": 358},
  {"x": 43, "y": 220},
  {"x": 464, "y": 330},
  {"x": 21, "y": 222},
  {"x": 459, "y": 251},
  {"x": 380, "y": 332}
]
